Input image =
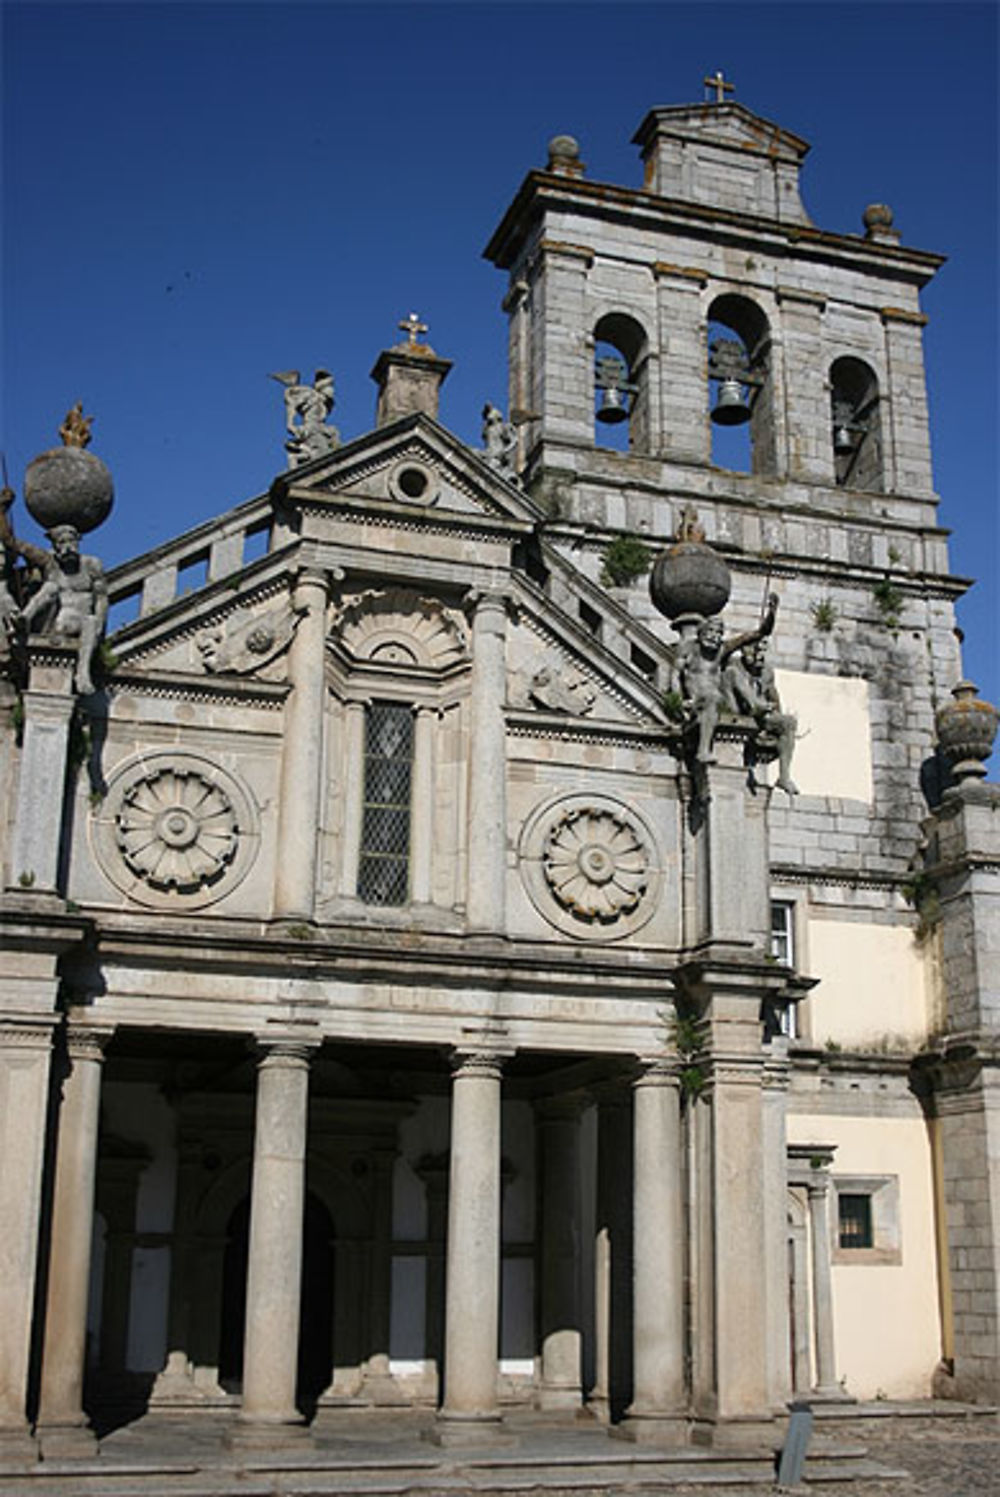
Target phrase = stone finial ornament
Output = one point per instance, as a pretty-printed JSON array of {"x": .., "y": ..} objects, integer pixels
[
  {"x": 689, "y": 579},
  {"x": 306, "y": 410},
  {"x": 966, "y": 730},
  {"x": 75, "y": 430},
  {"x": 564, "y": 156},
  {"x": 878, "y": 221}
]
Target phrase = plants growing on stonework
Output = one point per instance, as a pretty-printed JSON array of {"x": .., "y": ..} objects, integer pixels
[
  {"x": 673, "y": 706},
  {"x": 625, "y": 559},
  {"x": 889, "y": 601},
  {"x": 824, "y": 615},
  {"x": 921, "y": 894},
  {"x": 687, "y": 1038}
]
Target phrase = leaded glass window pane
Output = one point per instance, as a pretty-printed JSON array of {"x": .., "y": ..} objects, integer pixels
[
  {"x": 384, "y": 870},
  {"x": 855, "y": 1221}
]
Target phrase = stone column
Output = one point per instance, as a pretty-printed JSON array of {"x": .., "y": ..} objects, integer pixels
[
  {"x": 302, "y": 753},
  {"x": 471, "y": 1408},
  {"x": 801, "y": 1371},
  {"x": 379, "y": 1384},
  {"x": 903, "y": 405},
  {"x": 25, "y": 1049},
  {"x": 354, "y": 792},
  {"x": 659, "y": 1407},
  {"x": 277, "y": 1208},
  {"x": 48, "y": 709},
  {"x": 62, "y": 1425},
  {"x": 685, "y": 432},
  {"x": 806, "y": 391},
  {"x": 559, "y": 1127},
  {"x": 422, "y": 801},
  {"x": 487, "y": 816},
  {"x": 563, "y": 391},
  {"x": 822, "y": 1287},
  {"x": 612, "y": 1256},
  {"x": 775, "y": 1192}
]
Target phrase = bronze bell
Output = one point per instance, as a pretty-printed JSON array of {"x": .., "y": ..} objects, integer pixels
[
  {"x": 613, "y": 407},
  {"x": 843, "y": 440},
  {"x": 731, "y": 408}
]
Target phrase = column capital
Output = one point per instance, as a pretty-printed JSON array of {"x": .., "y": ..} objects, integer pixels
[
  {"x": 487, "y": 1063},
  {"x": 34, "y": 1035},
  {"x": 290, "y": 1051},
  {"x": 481, "y": 602},
  {"x": 656, "y": 1070},
  {"x": 88, "y": 1041}
]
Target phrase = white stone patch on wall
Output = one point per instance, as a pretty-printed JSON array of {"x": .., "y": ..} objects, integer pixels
[
  {"x": 833, "y": 744},
  {"x": 874, "y": 988},
  {"x": 885, "y": 1315}
]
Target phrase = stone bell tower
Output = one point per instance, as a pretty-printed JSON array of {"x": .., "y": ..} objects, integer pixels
[{"x": 712, "y": 271}]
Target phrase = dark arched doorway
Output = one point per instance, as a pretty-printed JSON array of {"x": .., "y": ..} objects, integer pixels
[{"x": 316, "y": 1308}]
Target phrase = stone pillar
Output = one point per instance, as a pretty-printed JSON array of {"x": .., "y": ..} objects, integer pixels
[
  {"x": 564, "y": 373},
  {"x": 25, "y": 1049},
  {"x": 904, "y": 418},
  {"x": 48, "y": 709},
  {"x": 354, "y": 792},
  {"x": 822, "y": 1286},
  {"x": 277, "y": 1209},
  {"x": 808, "y": 423},
  {"x": 422, "y": 801},
  {"x": 659, "y": 1406},
  {"x": 62, "y": 1425},
  {"x": 613, "y": 1257},
  {"x": 559, "y": 1128},
  {"x": 801, "y": 1368},
  {"x": 379, "y": 1384},
  {"x": 775, "y": 1191},
  {"x": 685, "y": 431},
  {"x": 302, "y": 753},
  {"x": 471, "y": 1409},
  {"x": 487, "y": 815}
]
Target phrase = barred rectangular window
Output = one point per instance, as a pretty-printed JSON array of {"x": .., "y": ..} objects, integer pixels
[
  {"x": 384, "y": 869},
  {"x": 854, "y": 1213}
]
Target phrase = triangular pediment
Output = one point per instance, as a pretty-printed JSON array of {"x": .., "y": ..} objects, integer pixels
[{"x": 413, "y": 467}]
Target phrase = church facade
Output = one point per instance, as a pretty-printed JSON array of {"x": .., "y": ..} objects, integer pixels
[{"x": 429, "y": 976}]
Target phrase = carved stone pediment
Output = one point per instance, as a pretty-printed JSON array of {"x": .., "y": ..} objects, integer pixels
[{"x": 397, "y": 626}]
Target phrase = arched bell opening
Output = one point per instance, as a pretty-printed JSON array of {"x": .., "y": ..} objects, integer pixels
[
  {"x": 856, "y": 429},
  {"x": 739, "y": 377},
  {"x": 621, "y": 384}
]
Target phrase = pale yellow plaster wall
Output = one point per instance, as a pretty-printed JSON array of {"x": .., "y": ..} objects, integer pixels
[
  {"x": 886, "y": 1322},
  {"x": 833, "y": 738},
  {"x": 874, "y": 987}
]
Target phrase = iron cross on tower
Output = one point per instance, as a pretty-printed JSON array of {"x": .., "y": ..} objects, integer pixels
[
  {"x": 412, "y": 326},
  {"x": 722, "y": 88}
]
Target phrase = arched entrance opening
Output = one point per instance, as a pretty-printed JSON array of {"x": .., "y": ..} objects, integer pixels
[{"x": 316, "y": 1304}]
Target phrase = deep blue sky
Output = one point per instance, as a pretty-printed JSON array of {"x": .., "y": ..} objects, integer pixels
[{"x": 197, "y": 194}]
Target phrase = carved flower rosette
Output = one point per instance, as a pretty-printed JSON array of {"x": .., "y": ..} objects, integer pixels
[
  {"x": 596, "y": 864},
  {"x": 174, "y": 830},
  {"x": 177, "y": 830},
  {"x": 590, "y": 866}
]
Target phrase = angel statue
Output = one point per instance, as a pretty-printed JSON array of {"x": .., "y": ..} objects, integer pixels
[{"x": 306, "y": 410}]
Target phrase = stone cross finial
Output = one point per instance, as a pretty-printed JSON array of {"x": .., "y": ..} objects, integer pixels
[
  {"x": 722, "y": 88},
  {"x": 412, "y": 326}
]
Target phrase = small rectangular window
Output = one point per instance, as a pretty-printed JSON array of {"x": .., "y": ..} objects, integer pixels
[
  {"x": 644, "y": 664},
  {"x": 783, "y": 932},
  {"x": 384, "y": 869},
  {"x": 590, "y": 619},
  {"x": 854, "y": 1220}
]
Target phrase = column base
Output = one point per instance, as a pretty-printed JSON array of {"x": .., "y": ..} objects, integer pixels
[
  {"x": 66, "y": 1442},
  {"x": 834, "y": 1394},
  {"x": 555, "y": 1398},
  {"x": 738, "y": 1432},
  {"x": 653, "y": 1429},
  {"x": 382, "y": 1389},
  {"x": 249, "y": 1434},
  {"x": 458, "y": 1431},
  {"x": 18, "y": 1446}
]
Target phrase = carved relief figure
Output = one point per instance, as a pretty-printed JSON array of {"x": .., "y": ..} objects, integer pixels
[
  {"x": 749, "y": 687},
  {"x": 700, "y": 660},
  {"x": 74, "y": 596},
  {"x": 246, "y": 645},
  {"x": 306, "y": 410},
  {"x": 499, "y": 441}
]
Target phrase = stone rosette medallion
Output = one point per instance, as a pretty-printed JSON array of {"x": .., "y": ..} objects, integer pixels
[
  {"x": 174, "y": 830},
  {"x": 589, "y": 864}
]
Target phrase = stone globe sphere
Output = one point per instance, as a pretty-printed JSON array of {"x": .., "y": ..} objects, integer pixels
[
  {"x": 68, "y": 486},
  {"x": 689, "y": 578}
]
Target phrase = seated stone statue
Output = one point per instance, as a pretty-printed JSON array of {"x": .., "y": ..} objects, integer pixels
[
  {"x": 700, "y": 661},
  {"x": 749, "y": 687},
  {"x": 72, "y": 600}
]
